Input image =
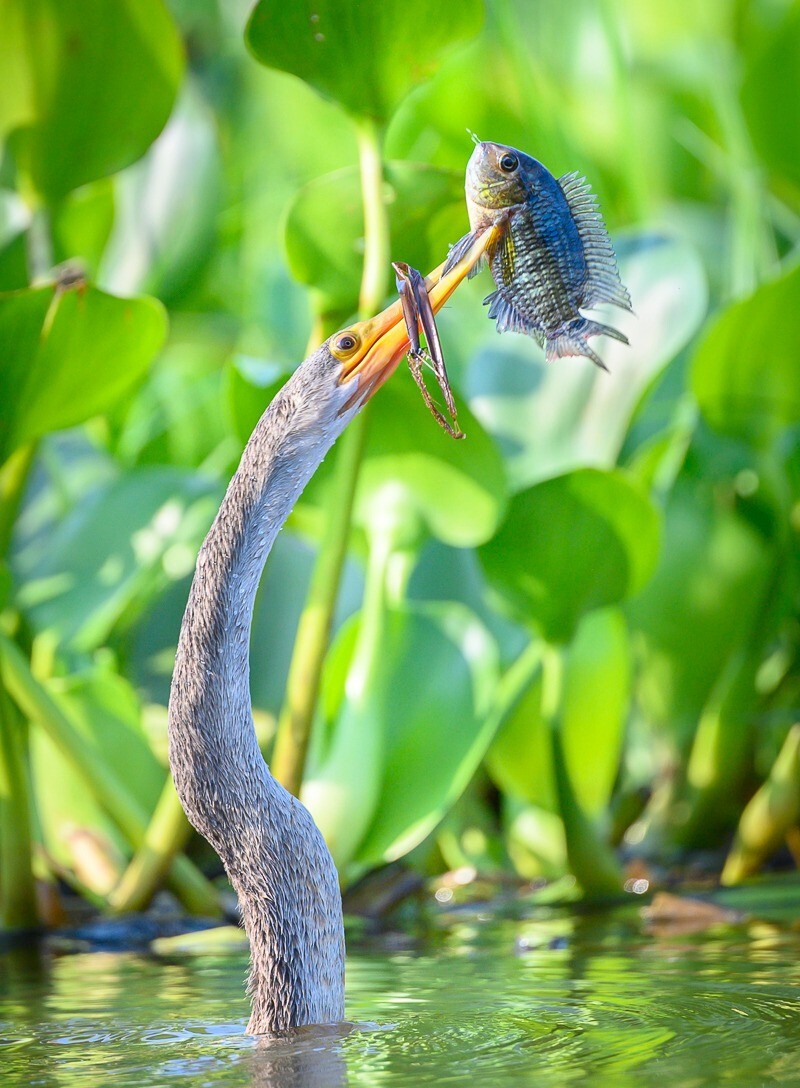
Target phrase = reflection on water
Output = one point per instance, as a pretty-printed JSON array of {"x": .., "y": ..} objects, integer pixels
[{"x": 548, "y": 1001}]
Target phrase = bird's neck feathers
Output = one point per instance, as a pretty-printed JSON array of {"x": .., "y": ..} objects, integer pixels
[{"x": 272, "y": 851}]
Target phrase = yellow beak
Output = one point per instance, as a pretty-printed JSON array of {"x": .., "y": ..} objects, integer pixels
[{"x": 381, "y": 342}]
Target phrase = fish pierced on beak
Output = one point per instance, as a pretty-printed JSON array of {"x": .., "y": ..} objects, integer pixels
[{"x": 420, "y": 318}]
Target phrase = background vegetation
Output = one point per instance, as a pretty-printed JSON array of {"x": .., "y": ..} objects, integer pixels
[{"x": 571, "y": 639}]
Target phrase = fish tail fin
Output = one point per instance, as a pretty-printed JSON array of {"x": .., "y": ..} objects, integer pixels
[
  {"x": 459, "y": 250},
  {"x": 573, "y": 340}
]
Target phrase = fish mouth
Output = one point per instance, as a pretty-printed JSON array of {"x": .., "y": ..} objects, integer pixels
[{"x": 370, "y": 351}]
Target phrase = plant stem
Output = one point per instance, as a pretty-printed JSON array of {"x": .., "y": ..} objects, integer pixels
[
  {"x": 166, "y": 835},
  {"x": 13, "y": 478},
  {"x": 18, "y": 908},
  {"x": 38, "y": 705},
  {"x": 591, "y": 860},
  {"x": 313, "y": 633}
]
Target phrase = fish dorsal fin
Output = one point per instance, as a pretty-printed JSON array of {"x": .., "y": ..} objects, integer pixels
[{"x": 603, "y": 283}]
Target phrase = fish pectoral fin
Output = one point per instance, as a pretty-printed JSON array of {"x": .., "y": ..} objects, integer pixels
[
  {"x": 574, "y": 340},
  {"x": 459, "y": 251}
]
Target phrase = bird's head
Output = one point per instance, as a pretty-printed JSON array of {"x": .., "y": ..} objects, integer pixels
[{"x": 368, "y": 352}]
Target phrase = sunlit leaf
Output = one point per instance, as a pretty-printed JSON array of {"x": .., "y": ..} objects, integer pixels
[
  {"x": 104, "y": 708},
  {"x": 746, "y": 372},
  {"x": 571, "y": 544},
  {"x": 115, "y": 552},
  {"x": 434, "y": 722},
  {"x": 365, "y": 56},
  {"x": 69, "y": 355},
  {"x": 88, "y": 87},
  {"x": 324, "y": 230}
]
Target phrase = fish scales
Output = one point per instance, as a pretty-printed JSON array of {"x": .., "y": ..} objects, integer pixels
[{"x": 554, "y": 257}]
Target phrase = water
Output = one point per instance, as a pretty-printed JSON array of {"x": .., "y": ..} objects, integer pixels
[{"x": 553, "y": 1000}]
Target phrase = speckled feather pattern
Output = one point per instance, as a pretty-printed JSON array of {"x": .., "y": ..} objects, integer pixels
[{"x": 273, "y": 852}]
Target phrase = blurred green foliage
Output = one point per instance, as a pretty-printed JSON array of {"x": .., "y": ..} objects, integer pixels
[{"x": 594, "y": 596}]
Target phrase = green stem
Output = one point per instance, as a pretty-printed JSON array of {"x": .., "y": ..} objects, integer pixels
[
  {"x": 38, "y": 705},
  {"x": 18, "y": 908},
  {"x": 770, "y": 814},
  {"x": 591, "y": 859},
  {"x": 166, "y": 836},
  {"x": 13, "y": 478},
  {"x": 313, "y": 633}
]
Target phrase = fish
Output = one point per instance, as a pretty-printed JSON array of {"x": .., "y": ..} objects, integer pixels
[
  {"x": 553, "y": 256},
  {"x": 420, "y": 318}
]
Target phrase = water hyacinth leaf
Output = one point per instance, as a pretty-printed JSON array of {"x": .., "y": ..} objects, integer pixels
[
  {"x": 119, "y": 64},
  {"x": 114, "y": 553},
  {"x": 581, "y": 541},
  {"x": 591, "y": 721},
  {"x": 548, "y": 419},
  {"x": 771, "y": 96},
  {"x": 69, "y": 355},
  {"x": 710, "y": 579},
  {"x": 324, "y": 231},
  {"x": 746, "y": 371},
  {"x": 366, "y": 57},
  {"x": 456, "y": 489},
  {"x": 105, "y": 710},
  {"x": 435, "y": 724},
  {"x": 594, "y": 710}
]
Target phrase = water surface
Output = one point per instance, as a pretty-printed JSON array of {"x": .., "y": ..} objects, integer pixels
[{"x": 556, "y": 999}]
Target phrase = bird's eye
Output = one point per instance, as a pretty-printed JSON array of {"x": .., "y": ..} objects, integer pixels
[
  {"x": 346, "y": 342},
  {"x": 509, "y": 163}
]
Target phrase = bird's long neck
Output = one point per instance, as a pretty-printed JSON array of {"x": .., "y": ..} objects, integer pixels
[{"x": 273, "y": 853}]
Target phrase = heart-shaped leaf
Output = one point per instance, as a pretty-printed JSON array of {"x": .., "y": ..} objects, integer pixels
[
  {"x": 89, "y": 86},
  {"x": 746, "y": 371},
  {"x": 324, "y": 232},
  {"x": 578, "y": 542},
  {"x": 366, "y": 57},
  {"x": 69, "y": 355}
]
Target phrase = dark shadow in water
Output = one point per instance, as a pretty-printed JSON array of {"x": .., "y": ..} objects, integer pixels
[{"x": 306, "y": 1058}]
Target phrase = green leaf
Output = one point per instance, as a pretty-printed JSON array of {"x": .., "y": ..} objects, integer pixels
[
  {"x": 593, "y": 714},
  {"x": 116, "y": 551},
  {"x": 710, "y": 581},
  {"x": 87, "y": 85},
  {"x": 592, "y": 720},
  {"x": 366, "y": 57},
  {"x": 69, "y": 355},
  {"x": 324, "y": 232},
  {"x": 746, "y": 371},
  {"x": 578, "y": 542},
  {"x": 105, "y": 710},
  {"x": 771, "y": 96},
  {"x": 550, "y": 418},
  {"x": 413, "y": 468},
  {"x": 434, "y": 722}
]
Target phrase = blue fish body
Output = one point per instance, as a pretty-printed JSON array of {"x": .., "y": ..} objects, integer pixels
[{"x": 554, "y": 257}]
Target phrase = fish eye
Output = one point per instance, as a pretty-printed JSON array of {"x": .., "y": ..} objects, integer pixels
[{"x": 509, "y": 163}]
